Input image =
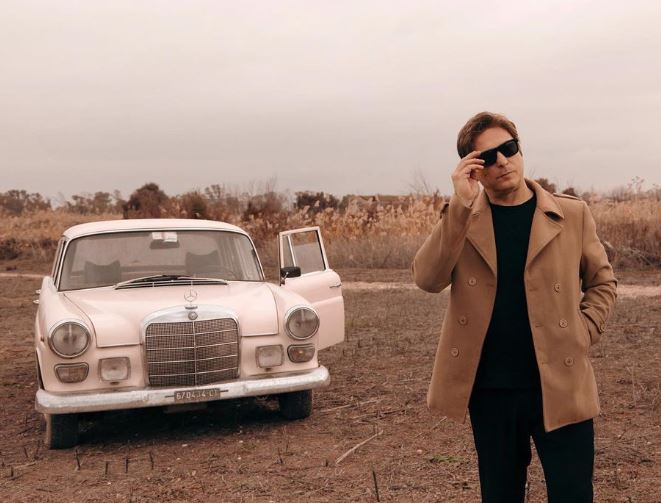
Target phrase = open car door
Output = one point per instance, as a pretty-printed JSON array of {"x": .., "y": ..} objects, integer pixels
[{"x": 318, "y": 283}]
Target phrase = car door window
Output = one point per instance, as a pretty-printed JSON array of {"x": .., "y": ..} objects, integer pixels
[{"x": 306, "y": 251}]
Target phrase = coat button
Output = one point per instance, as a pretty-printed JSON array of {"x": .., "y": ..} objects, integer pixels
[
  {"x": 563, "y": 323},
  {"x": 463, "y": 320},
  {"x": 602, "y": 327},
  {"x": 454, "y": 352},
  {"x": 569, "y": 361},
  {"x": 556, "y": 287},
  {"x": 472, "y": 281}
]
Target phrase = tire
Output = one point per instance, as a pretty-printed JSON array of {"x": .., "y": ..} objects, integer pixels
[
  {"x": 61, "y": 431},
  {"x": 296, "y": 405}
]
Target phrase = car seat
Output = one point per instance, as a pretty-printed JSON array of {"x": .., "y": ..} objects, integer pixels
[
  {"x": 204, "y": 264},
  {"x": 97, "y": 274}
]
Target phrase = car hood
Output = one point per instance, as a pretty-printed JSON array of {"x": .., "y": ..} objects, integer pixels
[{"x": 117, "y": 315}]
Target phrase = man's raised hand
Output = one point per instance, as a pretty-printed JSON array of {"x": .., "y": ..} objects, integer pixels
[{"x": 465, "y": 176}]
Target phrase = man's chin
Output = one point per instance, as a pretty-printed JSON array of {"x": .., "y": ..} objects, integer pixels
[{"x": 506, "y": 183}]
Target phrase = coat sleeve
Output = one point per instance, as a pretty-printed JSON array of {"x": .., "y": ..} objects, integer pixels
[
  {"x": 598, "y": 281},
  {"x": 433, "y": 263}
]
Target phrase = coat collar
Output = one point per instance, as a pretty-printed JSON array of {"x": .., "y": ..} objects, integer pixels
[{"x": 547, "y": 223}]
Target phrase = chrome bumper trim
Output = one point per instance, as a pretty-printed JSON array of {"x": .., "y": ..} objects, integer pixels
[{"x": 51, "y": 403}]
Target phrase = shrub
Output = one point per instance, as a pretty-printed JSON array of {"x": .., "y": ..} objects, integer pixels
[
  {"x": 15, "y": 202},
  {"x": 546, "y": 185},
  {"x": 315, "y": 201},
  {"x": 96, "y": 204},
  {"x": 194, "y": 205},
  {"x": 149, "y": 201}
]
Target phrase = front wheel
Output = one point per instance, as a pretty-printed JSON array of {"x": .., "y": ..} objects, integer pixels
[
  {"x": 296, "y": 405},
  {"x": 61, "y": 430}
]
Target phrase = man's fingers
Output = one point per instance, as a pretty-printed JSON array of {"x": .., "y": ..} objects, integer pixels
[
  {"x": 471, "y": 161},
  {"x": 469, "y": 164},
  {"x": 473, "y": 174},
  {"x": 470, "y": 167}
]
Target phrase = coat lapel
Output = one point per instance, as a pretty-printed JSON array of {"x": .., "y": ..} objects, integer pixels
[
  {"x": 547, "y": 221},
  {"x": 546, "y": 224},
  {"x": 480, "y": 233}
]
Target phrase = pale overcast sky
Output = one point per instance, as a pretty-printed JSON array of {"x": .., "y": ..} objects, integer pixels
[{"x": 341, "y": 96}]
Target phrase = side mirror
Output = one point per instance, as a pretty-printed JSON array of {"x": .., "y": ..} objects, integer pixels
[{"x": 289, "y": 272}]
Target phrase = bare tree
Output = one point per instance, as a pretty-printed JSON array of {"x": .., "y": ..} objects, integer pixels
[{"x": 419, "y": 184}]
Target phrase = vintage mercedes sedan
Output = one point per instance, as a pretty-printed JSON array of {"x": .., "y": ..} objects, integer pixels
[{"x": 168, "y": 312}]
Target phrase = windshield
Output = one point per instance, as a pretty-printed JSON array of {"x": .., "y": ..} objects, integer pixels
[{"x": 107, "y": 259}]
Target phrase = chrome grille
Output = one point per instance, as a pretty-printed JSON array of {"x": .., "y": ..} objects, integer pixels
[{"x": 193, "y": 352}]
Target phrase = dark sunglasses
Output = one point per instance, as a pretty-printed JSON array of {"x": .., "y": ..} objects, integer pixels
[{"x": 508, "y": 149}]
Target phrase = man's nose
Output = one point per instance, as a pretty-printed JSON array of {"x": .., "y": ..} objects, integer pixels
[{"x": 501, "y": 160}]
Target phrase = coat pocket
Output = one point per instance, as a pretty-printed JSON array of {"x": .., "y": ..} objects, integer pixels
[{"x": 586, "y": 327}]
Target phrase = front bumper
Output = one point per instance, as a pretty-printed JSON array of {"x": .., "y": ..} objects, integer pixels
[{"x": 51, "y": 403}]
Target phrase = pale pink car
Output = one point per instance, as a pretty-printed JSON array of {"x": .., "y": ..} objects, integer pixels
[{"x": 146, "y": 313}]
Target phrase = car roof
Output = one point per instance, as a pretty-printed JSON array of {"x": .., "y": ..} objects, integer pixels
[{"x": 147, "y": 224}]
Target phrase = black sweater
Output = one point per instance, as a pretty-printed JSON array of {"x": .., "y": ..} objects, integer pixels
[{"x": 508, "y": 355}]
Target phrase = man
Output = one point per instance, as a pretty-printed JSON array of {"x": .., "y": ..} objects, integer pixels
[{"x": 515, "y": 339}]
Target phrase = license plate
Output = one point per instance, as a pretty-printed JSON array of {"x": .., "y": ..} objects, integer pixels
[{"x": 197, "y": 395}]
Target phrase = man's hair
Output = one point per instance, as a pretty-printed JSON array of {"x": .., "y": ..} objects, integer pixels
[{"x": 476, "y": 125}]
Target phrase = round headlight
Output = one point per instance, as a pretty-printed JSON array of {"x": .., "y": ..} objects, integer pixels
[
  {"x": 302, "y": 323},
  {"x": 70, "y": 339}
]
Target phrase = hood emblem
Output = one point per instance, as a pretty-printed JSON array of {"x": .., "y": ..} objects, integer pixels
[
  {"x": 192, "y": 315},
  {"x": 190, "y": 296}
]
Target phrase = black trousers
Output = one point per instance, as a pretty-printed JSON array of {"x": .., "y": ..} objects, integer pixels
[{"x": 503, "y": 422}]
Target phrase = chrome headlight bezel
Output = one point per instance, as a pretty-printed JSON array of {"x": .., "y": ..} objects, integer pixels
[
  {"x": 288, "y": 317},
  {"x": 61, "y": 324}
]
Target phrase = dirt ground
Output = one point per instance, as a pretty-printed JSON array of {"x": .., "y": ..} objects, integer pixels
[{"x": 243, "y": 451}]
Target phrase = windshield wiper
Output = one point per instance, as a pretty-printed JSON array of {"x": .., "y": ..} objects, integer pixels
[{"x": 176, "y": 279}]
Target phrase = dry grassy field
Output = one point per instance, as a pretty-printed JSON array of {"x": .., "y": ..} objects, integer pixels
[
  {"x": 380, "y": 234},
  {"x": 243, "y": 451}
]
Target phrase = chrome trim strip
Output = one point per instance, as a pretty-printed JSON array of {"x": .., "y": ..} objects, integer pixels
[
  {"x": 196, "y": 333},
  {"x": 177, "y": 314},
  {"x": 198, "y": 360},
  {"x": 173, "y": 282},
  {"x": 123, "y": 345},
  {"x": 58, "y": 256},
  {"x": 51, "y": 403},
  {"x": 196, "y": 373},
  {"x": 191, "y": 347}
]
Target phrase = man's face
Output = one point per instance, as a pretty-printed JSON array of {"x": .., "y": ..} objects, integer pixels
[{"x": 506, "y": 174}]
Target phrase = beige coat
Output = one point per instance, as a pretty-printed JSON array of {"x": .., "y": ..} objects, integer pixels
[{"x": 564, "y": 258}]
